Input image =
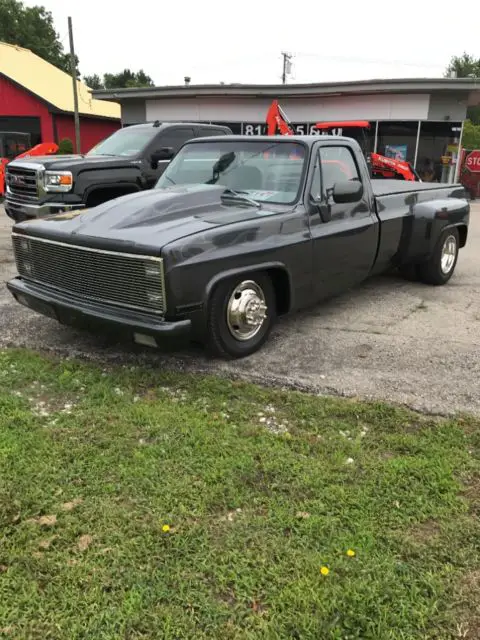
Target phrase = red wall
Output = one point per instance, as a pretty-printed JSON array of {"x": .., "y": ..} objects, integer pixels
[
  {"x": 16, "y": 102},
  {"x": 92, "y": 130}
]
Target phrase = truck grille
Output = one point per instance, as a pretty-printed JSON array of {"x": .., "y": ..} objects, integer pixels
[
  {"x": 123, "y": 279},
  {"x": 22, "y": 183}
]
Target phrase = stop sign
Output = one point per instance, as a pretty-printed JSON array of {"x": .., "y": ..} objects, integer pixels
[{"x": 473, "y": 161}]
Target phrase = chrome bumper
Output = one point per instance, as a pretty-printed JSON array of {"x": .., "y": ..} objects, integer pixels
[{"x": 19, "y": 210}]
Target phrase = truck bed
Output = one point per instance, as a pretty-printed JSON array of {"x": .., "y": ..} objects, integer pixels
[
  {"x": 405, "y": 208},
  {"x": 393, "y": 187}
]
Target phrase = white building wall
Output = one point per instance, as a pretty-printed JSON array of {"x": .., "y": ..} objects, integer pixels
[{"x": 370, "y": 107}]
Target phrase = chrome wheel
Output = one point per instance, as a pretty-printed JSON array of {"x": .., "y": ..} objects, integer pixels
[
  {"x": 449, "y": 253},
  {"x": 246, "y": 310}
]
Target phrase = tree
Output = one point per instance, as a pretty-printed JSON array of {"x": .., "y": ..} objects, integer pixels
[
  {"x": 65, "y": 147},
  {"x": 126, "y": 79},
  {"x": 121, "y": 80},
  {"x": 471, "y": 135},
  {"x": 464, "y": 66},
  {"x": 94, "y": 82},
  {"x": 33, "y": 28}
]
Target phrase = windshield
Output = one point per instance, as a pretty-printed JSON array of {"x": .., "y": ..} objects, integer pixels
[
  {"x": 125, "y": 142},
  {"x": 266, "y": 171}
]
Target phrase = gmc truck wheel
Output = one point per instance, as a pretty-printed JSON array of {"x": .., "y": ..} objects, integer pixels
[
  {"x": 241, "y": 314},
  {"x": 439, "y": 268}
]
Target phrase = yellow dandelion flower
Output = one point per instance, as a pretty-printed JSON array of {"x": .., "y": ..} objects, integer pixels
[
  {"x": 350, "y": 553},
  {"x": 166, "y": 528},
  {"x": 324, "y": 571}
]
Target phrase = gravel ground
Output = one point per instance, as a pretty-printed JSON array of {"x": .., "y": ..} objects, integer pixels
[{"x": 389, "y": 339}]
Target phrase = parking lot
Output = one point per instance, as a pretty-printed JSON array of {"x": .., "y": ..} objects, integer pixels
[{"x": 389, "y": 339}]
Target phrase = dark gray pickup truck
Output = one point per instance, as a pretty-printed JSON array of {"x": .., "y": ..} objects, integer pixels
[{"x": 237, "y": 231}]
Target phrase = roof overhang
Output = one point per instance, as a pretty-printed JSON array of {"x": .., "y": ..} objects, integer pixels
[{"x": 470, "y": 87}]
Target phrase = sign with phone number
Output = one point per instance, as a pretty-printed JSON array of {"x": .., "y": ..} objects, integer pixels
[{"x": 300, "y": 129}]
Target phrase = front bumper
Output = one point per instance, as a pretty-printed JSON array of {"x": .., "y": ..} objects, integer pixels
[
  {"x": 20, "y": 211},
  {"x": 139, "y": 327}
]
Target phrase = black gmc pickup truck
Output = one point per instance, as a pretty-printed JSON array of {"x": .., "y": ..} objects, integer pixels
[
  {"x": 130, "y": 160},
  {"x": 237, "y": 231}
]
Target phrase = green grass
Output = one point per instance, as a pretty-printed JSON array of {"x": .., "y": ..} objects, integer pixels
[{"x": 93, "y": 463}]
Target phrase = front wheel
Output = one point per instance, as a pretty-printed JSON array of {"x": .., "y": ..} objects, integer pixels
[
  {"x": 439, "y": 268},
  {"x": 241, "y": 314}
]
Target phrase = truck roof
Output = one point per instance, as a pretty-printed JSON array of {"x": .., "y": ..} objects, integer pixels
[
  {"x": 309, "y": 140},
  {"x": 163, "y": 125}
]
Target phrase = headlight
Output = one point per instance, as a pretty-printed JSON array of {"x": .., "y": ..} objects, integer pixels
[
  {"x": 24, "y": 245},
  {"x": 153, "y": 270},
  {"x": 27, "y": 267},
  {"x": 58, "y": 181},
  {"x": 153, "y": 282}
]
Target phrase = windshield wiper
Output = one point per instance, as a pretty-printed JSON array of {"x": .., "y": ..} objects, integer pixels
[{"x": 240, "y": 195}]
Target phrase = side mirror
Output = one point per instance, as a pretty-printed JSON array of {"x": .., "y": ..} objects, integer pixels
[
  {"x": 347, "y": 191},
  {"x": 166, "y": 153}
]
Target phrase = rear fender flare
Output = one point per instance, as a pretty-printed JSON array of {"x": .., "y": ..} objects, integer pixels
[{"x": 423, "y": 229}]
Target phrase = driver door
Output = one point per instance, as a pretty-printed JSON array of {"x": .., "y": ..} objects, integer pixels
[{"x": 344, "y": 248}]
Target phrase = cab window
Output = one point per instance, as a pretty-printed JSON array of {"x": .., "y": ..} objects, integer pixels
[{"x": 205, "y": 133}]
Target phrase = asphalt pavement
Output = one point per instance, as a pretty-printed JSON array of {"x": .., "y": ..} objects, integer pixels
[{"x": 389, "y": 339}]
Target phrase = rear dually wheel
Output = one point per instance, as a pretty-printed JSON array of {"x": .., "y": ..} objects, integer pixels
[{"x": 439, "y": 268}]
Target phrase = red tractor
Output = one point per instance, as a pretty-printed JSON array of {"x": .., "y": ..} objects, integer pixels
[{"x": 380, "y": 166}]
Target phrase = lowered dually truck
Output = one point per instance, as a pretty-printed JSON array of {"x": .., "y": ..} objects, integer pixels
[{"x": 237, "y": 231}]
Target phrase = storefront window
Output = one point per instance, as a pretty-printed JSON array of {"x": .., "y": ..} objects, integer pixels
[
  {"x": 398, "y": 140},
  {"x": 438, "y": 150}
]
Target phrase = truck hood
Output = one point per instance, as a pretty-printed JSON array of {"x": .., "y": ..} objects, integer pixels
[
  {"x": 147, "y": 221},
  {"x": 75, "y": 163}
]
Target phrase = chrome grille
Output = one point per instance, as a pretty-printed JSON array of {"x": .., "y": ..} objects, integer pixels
[
  {"x": 123, "y": 279},
  {"x": 22, "y": 183}
]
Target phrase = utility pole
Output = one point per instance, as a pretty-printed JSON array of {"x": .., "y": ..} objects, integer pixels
[
  {"x": 73, "y": 69},
  {"x": 286, "y": 66}
]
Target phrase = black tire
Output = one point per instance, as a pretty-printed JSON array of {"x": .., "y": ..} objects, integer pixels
[
  {"x": 222, "y": 341},
  {"x": 431, "y": 271}
]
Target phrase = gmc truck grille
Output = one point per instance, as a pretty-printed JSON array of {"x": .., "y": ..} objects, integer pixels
[
  {"x": 122, "y": 279},
  {"x": 22, "y": 183}
]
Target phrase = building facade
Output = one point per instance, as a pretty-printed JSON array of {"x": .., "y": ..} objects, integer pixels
[
  {"x": 415, "y": 119},
  {"x": 37, "y": 98}
]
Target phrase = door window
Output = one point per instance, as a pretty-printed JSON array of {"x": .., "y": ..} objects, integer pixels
[
  {"x": 175, "y": 138},
  {"x": 337, "y": 165}
]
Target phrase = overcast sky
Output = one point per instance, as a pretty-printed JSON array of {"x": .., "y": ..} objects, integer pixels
[{"x": 242, "y": 41}]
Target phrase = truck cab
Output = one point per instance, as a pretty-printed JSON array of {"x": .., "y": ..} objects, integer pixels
[{"x": 130, "y": 160}]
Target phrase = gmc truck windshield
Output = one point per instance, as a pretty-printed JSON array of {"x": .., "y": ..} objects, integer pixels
[
  {"x": 264, "y": 171},
  {"x": 124, "y": 142}
]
